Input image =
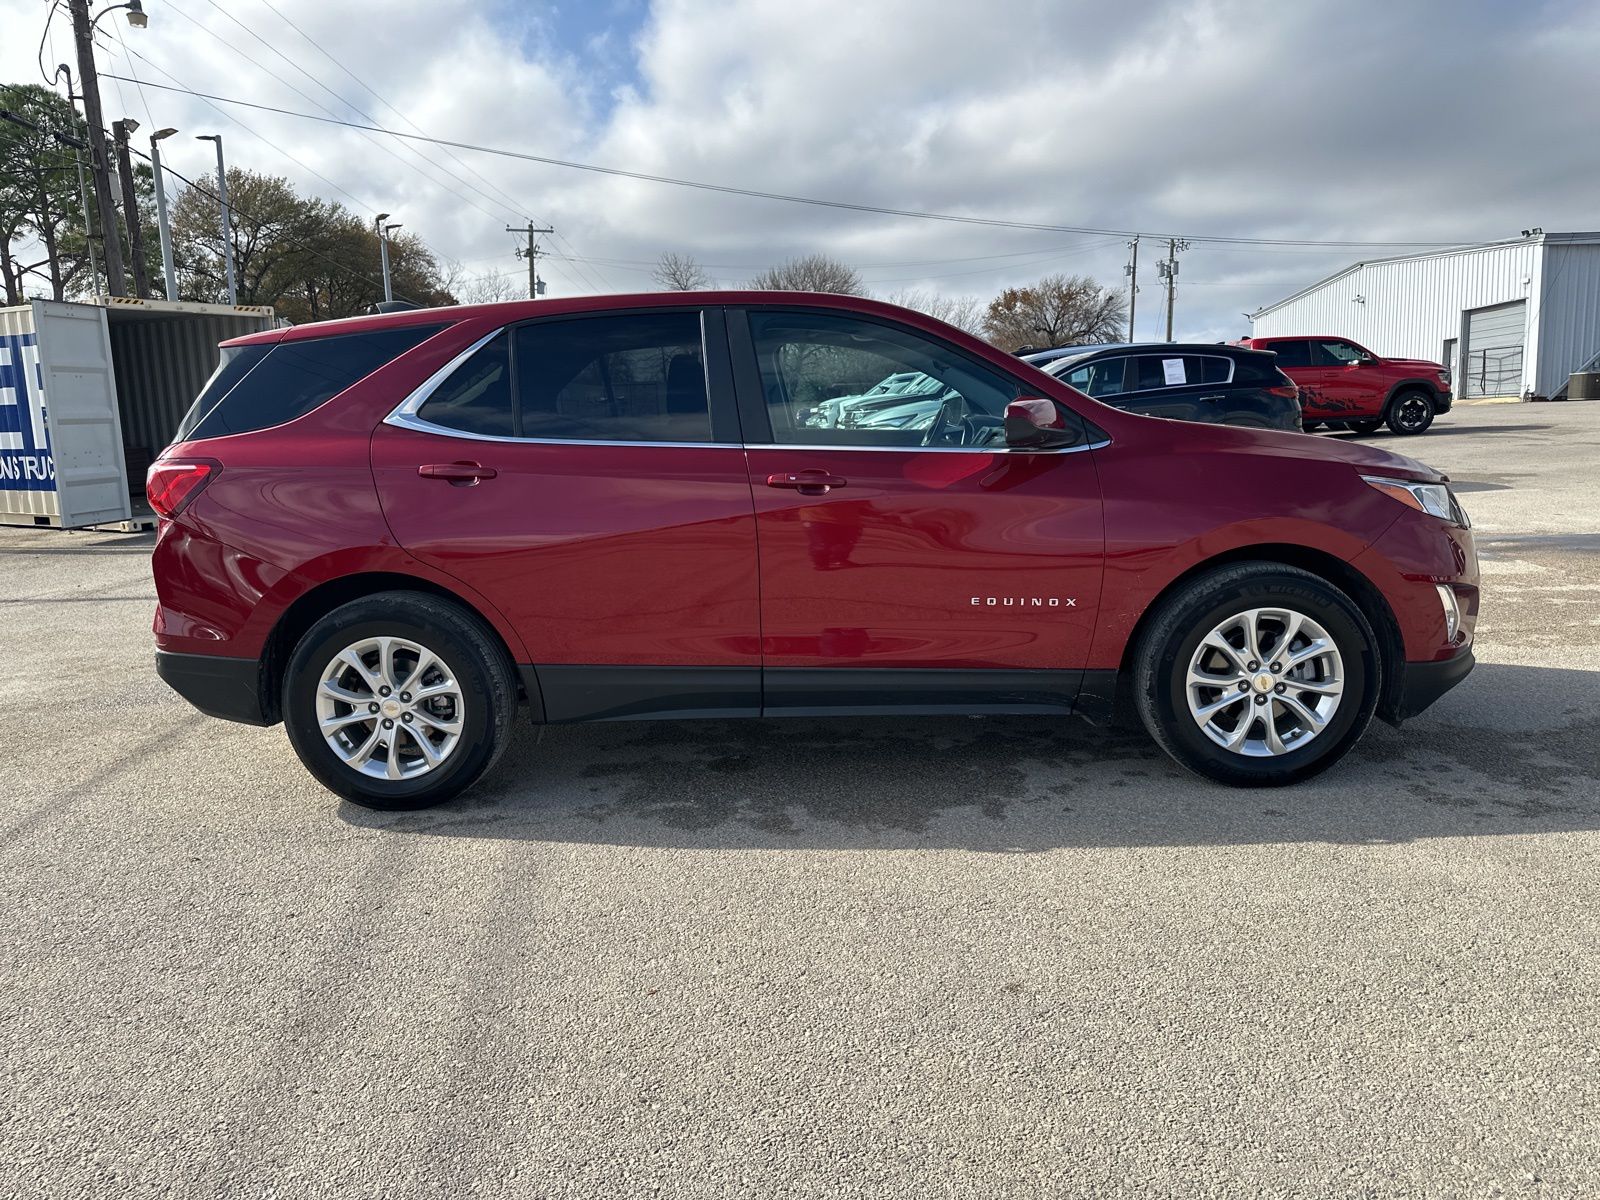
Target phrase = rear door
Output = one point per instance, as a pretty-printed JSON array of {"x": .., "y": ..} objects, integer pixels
[
  {"x": 1295, "y": 361},
  {"x": 77, "y": 408},
  {"x": 1181, "y": 387},
  {"x": 584, "y": 474},
  {"x": 921, "y": 565}
]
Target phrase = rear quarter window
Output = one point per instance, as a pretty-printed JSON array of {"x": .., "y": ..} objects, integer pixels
[{"x": 257, "y": 387}]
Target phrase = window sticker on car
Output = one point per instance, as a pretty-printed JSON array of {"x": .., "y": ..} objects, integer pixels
[{"x": 1172, "y": 368}]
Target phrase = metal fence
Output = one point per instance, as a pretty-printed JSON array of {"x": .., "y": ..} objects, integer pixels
[{"x": 1492, "y": 372}]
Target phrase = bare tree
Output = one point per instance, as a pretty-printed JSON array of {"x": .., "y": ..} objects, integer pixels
[
  {"x": 1059, "y": 310},
  {"x": 811, "y": 273},
  {"x": 680, "y": 273},
  {"x": 964, "y": 312}
]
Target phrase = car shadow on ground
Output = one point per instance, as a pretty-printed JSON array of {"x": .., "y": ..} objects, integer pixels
[
  {"x": 1514, "y": 750},
  {"x": 1434, "y": 431}
]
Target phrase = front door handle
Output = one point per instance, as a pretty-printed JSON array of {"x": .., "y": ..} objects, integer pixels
[
  {"x": 459, "y": 474},
  {"x": 807, "y": 483},
  {"x": 1218, "y": 396}
]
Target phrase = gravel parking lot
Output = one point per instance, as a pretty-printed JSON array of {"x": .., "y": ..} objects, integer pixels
[{"x": 814, "y": 958}]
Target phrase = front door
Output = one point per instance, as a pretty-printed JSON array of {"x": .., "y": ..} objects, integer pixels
[
  {"x": 1343, "y": 380},
  {"x": 583, "y": 474},
  {"x": 907, "y": 557}
]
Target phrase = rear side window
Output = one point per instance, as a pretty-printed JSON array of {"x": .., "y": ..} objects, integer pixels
[
  {"x": 1292, "y": 353},
  {"x": 477, "y": 396},
  {"x": 258, "y": 387},
  {"x": 1178, "y": 370},
  {"x": 627, "y": 378},
  {"x": 1257, "y": 369}
]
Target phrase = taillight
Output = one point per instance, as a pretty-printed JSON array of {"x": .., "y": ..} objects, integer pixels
[
  {"x": 1285, "y": 393},
  {"x": 171, "y": 484}
]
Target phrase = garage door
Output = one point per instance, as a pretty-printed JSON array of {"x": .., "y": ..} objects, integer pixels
[{"x": 1491, "y": 364}]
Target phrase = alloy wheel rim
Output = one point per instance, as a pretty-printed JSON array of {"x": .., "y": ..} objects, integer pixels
[
  {"x": 1265, "y": 682},
  {"x": 390, "y": 708},
  {"x": 1413, "y": 411}
]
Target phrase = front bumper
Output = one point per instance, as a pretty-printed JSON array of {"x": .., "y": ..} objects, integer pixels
[
  {"x": 1442, "y": 402},
  {"x": 1422, "y": 683},
  {"x": 229, "y": 688}
]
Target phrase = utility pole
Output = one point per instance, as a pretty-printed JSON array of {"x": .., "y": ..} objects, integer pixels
[
  {"x": 535, "y": 284},
  {"x": 1132, "y": 271},
  {"x": 382, "y": 230},
  {"x": 1168, "y": 270},
  {"x": 130, "y": 206},
  {"x": 168, "y": 272},
  {"x": 89, "y": 83},
  {"x": 227, "y": 220}
]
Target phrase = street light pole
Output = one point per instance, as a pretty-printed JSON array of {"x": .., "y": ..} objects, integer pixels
[
  {"x": 382, "y": 230},
  {"x": 168, "y": 271},
  {"x": 130, "y": 206},
  {"x": 227, "y": 221}
]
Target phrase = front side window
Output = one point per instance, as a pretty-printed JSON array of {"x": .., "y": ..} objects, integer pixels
[
  {"x": 624, "y": 378},
  {"x": 833, "y": 380},
  {"x": 1336, "y": 354},
  {"x": 1098, "y": 379}
]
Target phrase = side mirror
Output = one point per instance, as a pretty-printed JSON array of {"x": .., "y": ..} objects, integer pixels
[{"x": 1034, "y": 423}]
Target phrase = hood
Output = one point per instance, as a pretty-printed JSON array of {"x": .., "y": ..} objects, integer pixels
[
  {"x": 1308, "y": 447},
  {"x": 1422, "y": 363}
]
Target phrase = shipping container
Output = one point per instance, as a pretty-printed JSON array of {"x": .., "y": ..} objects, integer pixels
[{"x": 90, "y": 393}]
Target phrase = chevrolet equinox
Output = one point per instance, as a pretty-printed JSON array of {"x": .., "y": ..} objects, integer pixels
[{"x": 392, "y": 532}]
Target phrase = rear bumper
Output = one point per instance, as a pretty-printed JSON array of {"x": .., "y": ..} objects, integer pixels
[
  {"x": 1424, "y": 682},
  {"x": 229, "y": 688}
]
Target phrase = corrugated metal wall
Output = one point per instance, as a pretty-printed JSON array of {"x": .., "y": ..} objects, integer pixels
[
  {"x": 1410, "y": 307},
  {"x": 1569, "y": 317},
  {"x": 162, "y": 363}
]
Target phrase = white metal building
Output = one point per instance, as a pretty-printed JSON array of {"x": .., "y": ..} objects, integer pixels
[{"x": 1512, "y": 318}]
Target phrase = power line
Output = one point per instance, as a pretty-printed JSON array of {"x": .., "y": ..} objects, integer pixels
[
  {"x": 849, "y": 206},
  {"x": 511, "y": 204}
]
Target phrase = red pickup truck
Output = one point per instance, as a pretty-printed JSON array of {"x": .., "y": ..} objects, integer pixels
[{"x": 1345, "y": 384}]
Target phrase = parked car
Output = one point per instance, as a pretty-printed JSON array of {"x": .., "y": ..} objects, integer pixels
[
  {"x": 1211, "y": 383},
  {"x": 1345, "y": 384},
  {"x": 890, "y": 392},
  {"x": 392, "y": 532}
]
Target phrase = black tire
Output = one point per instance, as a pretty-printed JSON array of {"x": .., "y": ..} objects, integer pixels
[
  {"x": 1183, "y": 621},
  {"x": 1310, "y": 426},
  {"x": 1364, "y": 427},
  {"x": 476, "y": 661},
  {"x": 1409, "y": 413}
]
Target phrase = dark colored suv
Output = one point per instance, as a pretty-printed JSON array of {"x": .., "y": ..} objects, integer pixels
[
  {"x": 1215, "y": 384},
  {"x": 393, "y": 533}
]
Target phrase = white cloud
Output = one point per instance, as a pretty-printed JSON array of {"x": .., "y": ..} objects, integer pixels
[{"x": 1317, "y": 120}]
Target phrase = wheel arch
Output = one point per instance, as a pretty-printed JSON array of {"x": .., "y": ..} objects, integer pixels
[
  {"x": 317, "y": 602},
  {"x": 1368, "y": 597},
  {"x": 1409, "y": 385}
]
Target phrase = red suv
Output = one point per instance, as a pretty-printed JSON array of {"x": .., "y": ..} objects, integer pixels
[
  {"x": 1342, "y": 383},
  {"x": 392, "y": 532}
]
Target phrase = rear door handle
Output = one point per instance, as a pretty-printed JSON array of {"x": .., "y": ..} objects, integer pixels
[
  {"x": 1218, "y": 396},
  {"x": 807, "y": 483},
  {"x": 459, "y": 474}
]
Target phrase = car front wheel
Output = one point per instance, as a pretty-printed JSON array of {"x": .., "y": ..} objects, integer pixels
[
  {"x": 1257, "y": 675},
  {"x": 398, "y": 700},
  {"x": 1409, "y": 413}
]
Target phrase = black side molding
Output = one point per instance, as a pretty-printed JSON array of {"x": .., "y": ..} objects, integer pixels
[
  {"x": 229, "y": 688},
  {"x": 891, "y": 691},
  {"x": 586, "y": 693}
]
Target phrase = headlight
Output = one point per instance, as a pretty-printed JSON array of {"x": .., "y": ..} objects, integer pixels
[{"x": 1434, "y": 499}]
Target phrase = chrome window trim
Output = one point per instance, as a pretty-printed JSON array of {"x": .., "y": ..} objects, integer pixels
[
  {"x": 404, "y": 415},
  {"x": 1101, "y": 445}
]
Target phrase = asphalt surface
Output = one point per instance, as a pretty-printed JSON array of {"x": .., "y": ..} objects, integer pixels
[{"x": 814, "y": 958}]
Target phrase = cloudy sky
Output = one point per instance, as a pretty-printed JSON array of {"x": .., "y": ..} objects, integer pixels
[{"x": 1318, "y": 120}]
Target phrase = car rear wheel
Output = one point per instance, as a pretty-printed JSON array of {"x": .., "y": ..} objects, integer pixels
[
  {"x": 1409, "y": 413},
  {"x": 1364, "y": 427},
  {"x": 398, "y": 700},
  {"x": 1257, "y": 675}
]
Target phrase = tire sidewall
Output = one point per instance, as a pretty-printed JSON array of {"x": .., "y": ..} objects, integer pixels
[
  {"x": 331, "y": 635},
  {"x": 1198, "y": 616}
]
